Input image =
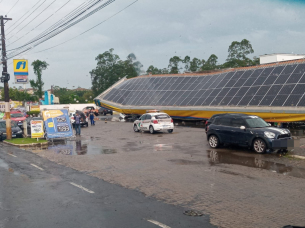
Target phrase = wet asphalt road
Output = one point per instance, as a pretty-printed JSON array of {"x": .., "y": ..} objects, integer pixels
[{"x": 35, "y": 192}]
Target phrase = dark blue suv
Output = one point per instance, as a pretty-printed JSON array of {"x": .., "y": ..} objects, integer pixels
[{"x": 248, "y": 131}]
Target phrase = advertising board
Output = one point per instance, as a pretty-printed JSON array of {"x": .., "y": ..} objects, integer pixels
[
  {"x": 57, "y": 124},
  {"x": 35, "y": 108},
  {"x": 37, "y": 129},
  {"x": 21, "y": 71}
]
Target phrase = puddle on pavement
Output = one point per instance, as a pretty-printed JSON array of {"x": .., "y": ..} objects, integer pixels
[
  {"x": 254, "y": 161},
  {"x": 186, "y": 162},
  {"x": 77, "y": 147},
  {"x": 4, "y": 165},
  {"x": 163, "y": 147}
]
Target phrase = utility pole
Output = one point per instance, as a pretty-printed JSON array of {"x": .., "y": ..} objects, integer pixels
[{"x": 5, "y": 78}]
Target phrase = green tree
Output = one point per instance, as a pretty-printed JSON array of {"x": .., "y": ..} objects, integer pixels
[
  {"x": 153, "y": 70},
  {"x": 211, "y": 63},
  {"x": 237, "y": 54},
  {"x": 110, "y": 68},
  {"x": 196, "y": 64},
  {"x": 17, "y": 95},
  {"x": 89, "y": 96},
  {"x": 173, "y": 66},
  {"x": 137, "y": 65},
  {"x": 186, "y": 61},
  {"x": 37, "y": 85}
]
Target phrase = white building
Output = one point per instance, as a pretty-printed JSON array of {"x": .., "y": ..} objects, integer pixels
[{"x": 273, "y": 58}]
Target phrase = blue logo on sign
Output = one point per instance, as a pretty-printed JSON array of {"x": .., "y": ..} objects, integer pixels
[{"x": 20, "y": 64}]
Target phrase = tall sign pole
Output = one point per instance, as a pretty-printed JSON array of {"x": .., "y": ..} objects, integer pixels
[{"x": 5, "y": 78}]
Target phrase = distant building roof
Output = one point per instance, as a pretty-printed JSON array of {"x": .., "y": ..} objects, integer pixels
[{"x": 80, "y": 89}]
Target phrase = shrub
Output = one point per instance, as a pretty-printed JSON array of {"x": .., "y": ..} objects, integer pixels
[{"x": 33, "y": 113}]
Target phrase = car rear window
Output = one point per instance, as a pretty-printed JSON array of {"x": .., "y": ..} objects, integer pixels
[
  {"x": 15, "y": 115},
  {"x": 222, "y": 121},
  {"x": 162, "y": 116}
]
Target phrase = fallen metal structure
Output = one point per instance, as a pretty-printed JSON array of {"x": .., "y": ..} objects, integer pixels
[{"x": 274, "y": 92}]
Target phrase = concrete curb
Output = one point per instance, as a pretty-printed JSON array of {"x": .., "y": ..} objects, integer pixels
[{"x": 26, "y": 145}]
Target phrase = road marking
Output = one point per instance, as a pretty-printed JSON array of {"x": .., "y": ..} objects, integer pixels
[
  {"x": 158, "y": 223},
  {"x": 81, "y": 187},
  {"x": 37, "y": 166},
  {"x": 12, "y": 155},
  {"x": 297, "y": 156}
]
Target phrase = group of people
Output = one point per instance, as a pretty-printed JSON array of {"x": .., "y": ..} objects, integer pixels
[{"x": 78, "y": 119}]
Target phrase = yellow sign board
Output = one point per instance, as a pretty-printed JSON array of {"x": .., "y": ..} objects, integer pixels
[
  {"x": 21, "y": 71},
  {"x": 21, "y": 66},
  {"x": 35, "y": 108},
  {"x": 37, "y": 129}
]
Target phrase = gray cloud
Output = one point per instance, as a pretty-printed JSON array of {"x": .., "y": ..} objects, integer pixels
[{"x": 156, "y": 30}]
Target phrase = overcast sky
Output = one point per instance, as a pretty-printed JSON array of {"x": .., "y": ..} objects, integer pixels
[{"x": 155, "y": 30}]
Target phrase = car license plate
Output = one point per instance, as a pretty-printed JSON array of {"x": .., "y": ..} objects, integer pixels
[
  {"x": 165, "y": 125},
  {"x": 14, "y": 136}
]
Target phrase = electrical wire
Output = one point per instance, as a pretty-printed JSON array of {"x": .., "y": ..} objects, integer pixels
[
  {"x": 27, "y": 17},
  {"x": 40, "y": 23},
  {"x": 12, "y": 7},
  {"x": 34, "y": 18},
  {"x": 58, "y": 23},
  {"x": 11, "y": 55},
  {"x": 25, "y": 51},
  {"x": 89, "y": 29},
  {"x": 22, "y": 15}
]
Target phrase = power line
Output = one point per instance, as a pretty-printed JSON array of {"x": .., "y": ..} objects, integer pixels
[
  {"x": 12, "y": 7},
  {"x": 40, "y": 23},
  {"x": 23, "y": 15},
  {"x": 59, "y": 29},
  {"x": 27, "y": 17},
  {"x": 68, "y": 16},
  {"x": 90, "y": 28},
  {"x": 34, "y": 18}
]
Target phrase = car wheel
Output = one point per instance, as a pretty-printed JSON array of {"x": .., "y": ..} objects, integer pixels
[
  {"x": 151, "y": 129},
  {"x": 259, "y": 146},
  {"x": 214, "y": 141},
  {"x": 135, "y": 128},
  {"x": 170, "y": 131}
]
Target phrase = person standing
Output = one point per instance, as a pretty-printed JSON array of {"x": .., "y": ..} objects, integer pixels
[
  {"x": 77, "y": 123},
  {"x": 91, "y": 115}
]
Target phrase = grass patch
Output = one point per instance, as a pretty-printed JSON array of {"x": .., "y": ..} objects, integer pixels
[{"x": 22, "y": 141}]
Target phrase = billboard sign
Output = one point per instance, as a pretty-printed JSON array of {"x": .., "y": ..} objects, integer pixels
[
  {"x": 57, "y": 124},
  {"x": 35, "y": 108},
  {"x": 21, "y": 71},
  {"x": 37, "y": 129}
]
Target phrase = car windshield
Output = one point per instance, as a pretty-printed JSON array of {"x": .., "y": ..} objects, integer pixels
[
  {"x": 162, "y": 116},
  {"x": 3, "y": 124},
  {"x": 16, "y": 115},
  {"x": 256, "y": 123},
  {"x": 14, "y": 124}
]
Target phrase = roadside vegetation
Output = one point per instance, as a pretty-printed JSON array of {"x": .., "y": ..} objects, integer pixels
[{"x": 23, "y": 141}]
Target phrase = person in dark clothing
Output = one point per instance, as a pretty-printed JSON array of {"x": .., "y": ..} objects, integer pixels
[
  {"x": 91, "y": 115},
  {"x": 77, "y": 123}
]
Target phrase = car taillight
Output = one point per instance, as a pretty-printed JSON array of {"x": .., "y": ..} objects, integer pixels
[
  {"x": 172, "y": 120},
  {"x": 155, "y": 122}
]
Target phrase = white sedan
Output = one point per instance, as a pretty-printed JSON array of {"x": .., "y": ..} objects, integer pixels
[{"x": 153, "y": 122}]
